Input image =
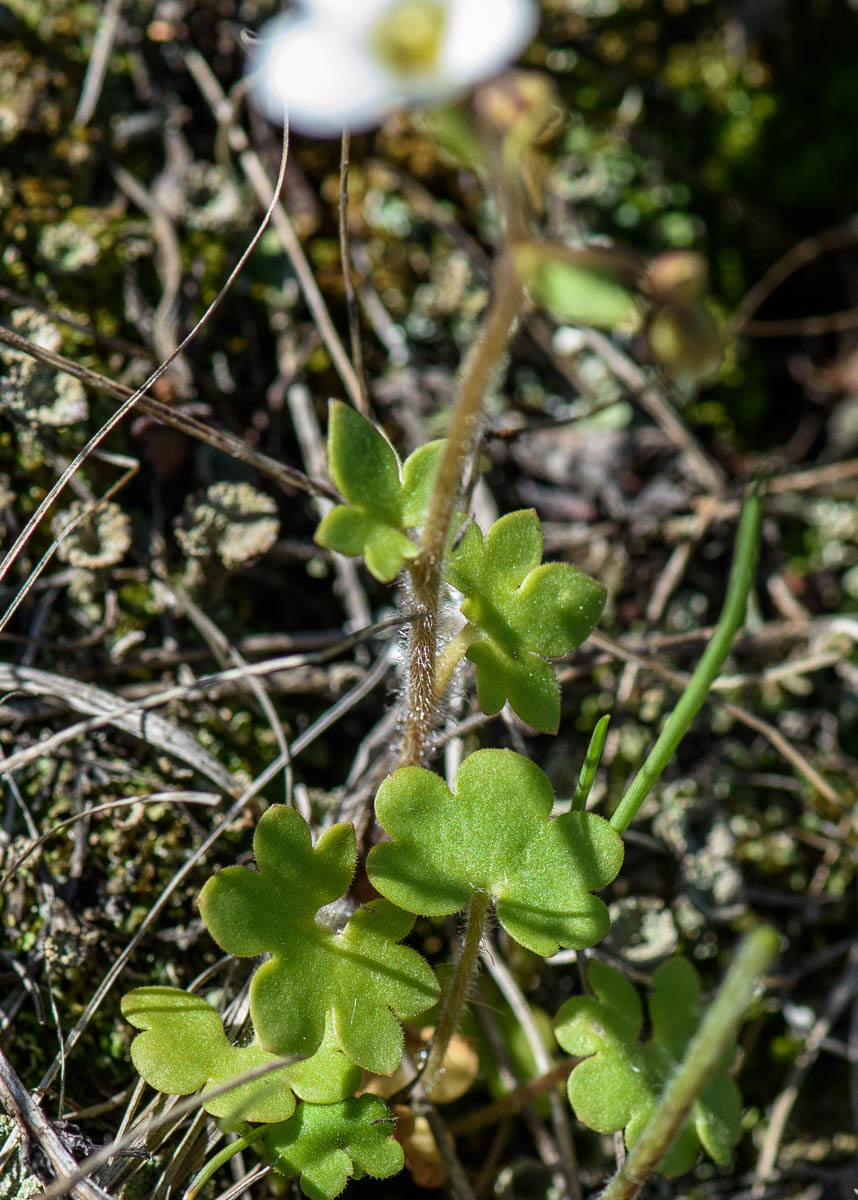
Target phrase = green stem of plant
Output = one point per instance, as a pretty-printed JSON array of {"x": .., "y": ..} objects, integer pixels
[
  {"x": 222, "y": 1156},
  {"x": 716, "y": 1031},
  {"x": 451, "y": 656},
  {"x": 691, "y": 701},
  {"x": 426, "y": 569},
  {"x": 457, "y": 993}
]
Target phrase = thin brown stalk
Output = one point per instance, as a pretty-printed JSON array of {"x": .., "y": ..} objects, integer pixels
[
  {"x": 426, "y": 570},
  {"x": 515, "y": 1100},
  {"x": 362, "y": 398}
]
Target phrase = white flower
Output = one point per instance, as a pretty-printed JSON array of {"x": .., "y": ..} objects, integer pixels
[{"x": 348, "y": 63}]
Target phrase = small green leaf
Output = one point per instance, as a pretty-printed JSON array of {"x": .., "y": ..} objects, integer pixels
[
  {"x": 363, "y": 464},
  {"x": 583, "y": 293},
  {"x": 495, "y": 835},
  {"x": 526, "y": 680},
  {"x": 324, "y": 1145},
  {"x": 365, "y": 468},
  {"x": 591, "y": 763},
  {"x": 418, "y": 478},
  {"x": 352, "y": 532},
  {"x": 525, "y": 611},
  {"x": 183, "y": 1048},
  {"x": 357, "y": 982},
  {"x": 619, "y": 1083}
]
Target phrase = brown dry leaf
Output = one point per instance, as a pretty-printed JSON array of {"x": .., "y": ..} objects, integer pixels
[
  {"x": 461, "y": 1065},
  {"x": 422, "y": 1157}
]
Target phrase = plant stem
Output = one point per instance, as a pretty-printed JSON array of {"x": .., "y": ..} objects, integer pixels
[
  {"x": 451, "y": 656},
  {"x": 426, "y": 570},
  {"x": 691, "y": 700},
  {"x": 457, "y": 993},
  {"x": 716, "y": 1031},
  {"x": 214, "y": 1164},
  {"x": 361, "y": 399}
]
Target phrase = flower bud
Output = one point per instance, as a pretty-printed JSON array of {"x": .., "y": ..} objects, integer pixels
[
  {"x": 521, "y": 108},
  {"x": 686, "y": 341},
  {"x": 677, "y": 277}
]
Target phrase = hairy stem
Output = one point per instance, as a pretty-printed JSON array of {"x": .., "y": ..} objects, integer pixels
[
  {"x": 716, "y": 1031},
  {"x": 426, "y": 570},
  {"x": 691, "y": 700},
  {"x": 457, "y": 993}
]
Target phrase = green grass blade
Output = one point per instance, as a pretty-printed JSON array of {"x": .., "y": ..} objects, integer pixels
[{"x": 732, "y": 616}]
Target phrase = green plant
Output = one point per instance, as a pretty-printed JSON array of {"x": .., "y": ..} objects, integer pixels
[
  {"x": 618, "y": 1084},
  {"x": 334, "y": 997},
  {"x": 520, "y": 613},
  {"x": 386, "y": 498},
  {"x": 494, "y": 837},
  {"x": 332, "y": 994}
]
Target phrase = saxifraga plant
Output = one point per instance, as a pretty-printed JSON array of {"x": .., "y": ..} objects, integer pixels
[{"x": 329, "y": 1000}]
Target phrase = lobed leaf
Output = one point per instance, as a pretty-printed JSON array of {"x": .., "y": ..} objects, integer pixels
[
  {"x": 619, "y": 1083},
  {"x": 385, "y": 499},
  {"x": 183, "y": 1048},
  {"x": 357, "y": 983},
  {"x": 495, "y": 834},
  {"x": 324, "y": 1145},
  {"x": 526, "y": 611}
]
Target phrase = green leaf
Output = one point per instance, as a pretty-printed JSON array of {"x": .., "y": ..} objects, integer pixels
[
  {"x": 363, "y": 464},
  {"x": 385, "y": 500},
  {"x": 184, "y": 1048},
  {"x": 525, "y": 611},
  {"x": 526, "y": 680},
  {"x": 357, "y": 982},
  {"x": 326, "y": 1144},
  {"x": 582, "y": 293},
  {"x": 495, "y": 834},
  {"x": 418, "y": 478},
  {"x": 619, "y": 1083}
]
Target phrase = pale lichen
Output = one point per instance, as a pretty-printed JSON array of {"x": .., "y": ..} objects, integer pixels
[
  {"x": 99, "y": 538},
  {"x": 230, "y": 524},
  {"x": 68, "y": 246},
  {"x": 32, "y": 390},
  {"x": 16, "y": 1182}
]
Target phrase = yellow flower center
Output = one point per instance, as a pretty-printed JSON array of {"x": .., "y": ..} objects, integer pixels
[{"x": 409, "y": 36}]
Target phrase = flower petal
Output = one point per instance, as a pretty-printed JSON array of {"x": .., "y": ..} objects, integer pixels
[
  {"x": 320, "y": 65},
  {"x": 323, "y": 77},
  {"x": 484, "y": 36},
  {"x": 348, "y": 16}
]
